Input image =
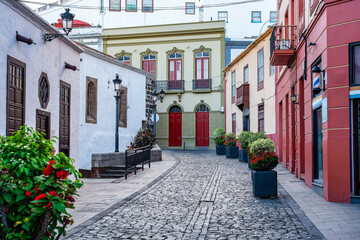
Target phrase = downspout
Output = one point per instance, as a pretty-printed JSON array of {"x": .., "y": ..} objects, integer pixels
[
  {"x": 305, "y": 59},
  {"x": 225, "y": 98}
]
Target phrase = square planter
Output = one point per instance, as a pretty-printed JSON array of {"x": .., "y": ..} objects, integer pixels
[
  {"x": 232, "y": 152},
  {"x": 243, "y": 156},
  {"x": 264, "y": 183},
  {"x": 220, "y": 149}
]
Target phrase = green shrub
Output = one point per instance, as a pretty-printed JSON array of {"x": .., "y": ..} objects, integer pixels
[
  {"x": 230, "y": 139},
  {"x": 34, "y": 187},
  {"x": 144, "y": 137},
  {"x": 256, "y": 136},
  {"x": 261, "y": 146},
  {"x": 264, "y": 162},
  {"x": 219, "y": 136},
  {"x": 244, "y": 138}
]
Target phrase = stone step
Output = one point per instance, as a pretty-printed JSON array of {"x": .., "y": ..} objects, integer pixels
[{"x": 110, "y": 175}]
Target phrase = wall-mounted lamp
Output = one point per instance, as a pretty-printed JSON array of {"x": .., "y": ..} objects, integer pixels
[
  {"x": 293, "y": 99},
  {"x": 67, "y": 23},
  {"x": 71, "y": 67},
  {"x": 179, "y": 96},
  {"x": 21, "y": 38},
  {"x": 317, "y": 77},
  {"x": 311, "y": 44}
]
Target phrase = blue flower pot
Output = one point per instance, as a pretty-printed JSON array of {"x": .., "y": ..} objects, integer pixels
[
  {"x": 232, "y": 152},
  {"x": 243, "y": 156},
  {"x": 264, "y": 183},
  {"x": 220, "y": 149}
]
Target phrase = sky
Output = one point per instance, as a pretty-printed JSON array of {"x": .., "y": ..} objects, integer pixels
[{"x": 34, "y": 6}]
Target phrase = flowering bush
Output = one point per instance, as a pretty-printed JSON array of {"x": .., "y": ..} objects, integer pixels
[
  {"x": 219, "y": 136},
  {"x": 261, "y": 146},
  {"x": 244, "y": 138},
  {"x": 35, "y": 190},
  {"x": 230, "y": 139},
  {"x": 254, "y": 137},
  {"x": 264, "y": 162},
  {"x": 144, "y": 138}
]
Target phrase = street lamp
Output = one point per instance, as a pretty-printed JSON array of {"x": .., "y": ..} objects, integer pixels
[
  {"x": 117, "y": 86},
  {"x": 293, "y": 99},
  {"x": 67, "y": 24},
  {"x": 157, "y": 96}
]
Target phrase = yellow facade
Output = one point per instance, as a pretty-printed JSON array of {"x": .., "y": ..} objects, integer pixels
[
  {"x": 186, "y": 39},
  {"x": 257, "y": 96}
]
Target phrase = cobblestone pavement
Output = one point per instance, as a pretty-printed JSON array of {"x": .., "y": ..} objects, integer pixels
[{"x": 205, "y": 197}]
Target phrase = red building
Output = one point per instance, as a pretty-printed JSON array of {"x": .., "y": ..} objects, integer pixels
[{"x": 316, "y": 48}]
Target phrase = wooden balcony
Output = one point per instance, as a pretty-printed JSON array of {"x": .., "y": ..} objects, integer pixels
[
  {"x": 282, "y": 45},
  {"x": 243, "y": 96}
]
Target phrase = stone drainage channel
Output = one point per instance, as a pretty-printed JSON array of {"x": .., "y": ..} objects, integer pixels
[{"x": 203, "y": 196}]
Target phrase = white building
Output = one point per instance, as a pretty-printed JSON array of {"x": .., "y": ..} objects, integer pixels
[
  {"x": 36, "y": 87},
  {"x": 97, "y": 104},
  {"x": 244, "y": 21}
]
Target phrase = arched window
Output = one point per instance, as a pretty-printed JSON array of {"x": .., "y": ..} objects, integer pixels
[
  {"x": 91, "y": 100},
  {"x": 148, "y": 63},
  {"x": 124, "y": 59},
  {"x": 175, "y": 66},
  {"x": 175, "y": 109},
  {"x": 202, "y": 108},
  {"x": 202, "y": 60}
]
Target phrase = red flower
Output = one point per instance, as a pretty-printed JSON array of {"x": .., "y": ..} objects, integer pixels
[
  {"x": 48, "y": 170},
  {"x": 51, "y": 162},
  {"x": 41, "y": 196},
  {"x": 49, "y": 206},
  {"x": 70, "y": 198},
  {"x": 68, "y": 205},
  {"x": 28, "y": 193},
  {"x": 53, "y": 193},
  {"x": 37, "y": 189},
  {"x": 62, "y": 174}
]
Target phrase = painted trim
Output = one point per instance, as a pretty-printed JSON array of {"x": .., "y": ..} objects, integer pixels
[
  {"x": 123, "y": 53},
  {"x": 203, "y": 103},
  {"x": 171, "y": 105},
  {"x": 148, "y": 51}
]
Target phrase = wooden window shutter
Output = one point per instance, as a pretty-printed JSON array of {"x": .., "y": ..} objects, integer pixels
[
  {"x": 123, "y": 108},
  {"x": 91, "y": 100}
]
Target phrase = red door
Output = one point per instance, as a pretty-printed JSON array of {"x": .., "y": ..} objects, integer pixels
[
  {"x": 175, "y": 131},
  {"x": 202, "y": 129}
]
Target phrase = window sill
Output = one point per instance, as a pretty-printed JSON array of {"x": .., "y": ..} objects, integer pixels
[
  {"x": 174, "y": 91},
  {"x": 256, "y": 21},
  {"x": 201, "y": 90}
]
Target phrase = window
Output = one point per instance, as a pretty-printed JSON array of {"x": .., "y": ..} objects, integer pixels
[
  {"x": 131, "y": 5},
  {"x": 261, "y": 117},
  {"x": 190, "y": 8},
  {"x": 147, "y": 6},
  {"x": 234, "y": 123},
  {"x": 273, "y": 17},
  {"x": 44, "y": 90},
  {"x": 175, "y": 66},
  {"x": 233, "y": 89},
  {"x": 246, "y": 74},
  {"x": 91, "y": 100},
  {"x": 202, "y": 65},
  {"x": 123, "y": 108},
  {"x": 255, "y": 16},
  {"x": 149, "y": 63},
  {"x": 260, "y": 66},
  {"x": 124, "y": 59},
  {"x": 114, "y": 5},
  {"x": 223, "y": 15},
  {"x": 272, "y": 70},
  {"x": 202, "y": 108},
  {"x": 355, "y": 63}
]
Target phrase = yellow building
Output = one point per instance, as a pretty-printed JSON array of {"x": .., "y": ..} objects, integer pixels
[
  {"x": 187, "y": 60},
  {"x": 250, "y": 90}
]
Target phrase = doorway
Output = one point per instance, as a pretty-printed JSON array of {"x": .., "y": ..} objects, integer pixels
[
  {"x": 43, "y": 122},
  {"x": 65, "y": 107},
  {"x": 318, "y": 159},
  {"x": 175, "y": 126},
  {"x": 202, "y": 126},
  {"x": 356, "y": 147}
]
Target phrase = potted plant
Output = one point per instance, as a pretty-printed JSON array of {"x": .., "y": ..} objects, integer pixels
[
  {"x": 36, "y": 188},
  {"x": 243, "y": 139},
  {"x": 219, "y": 138},
  {"x": 231, "y": 148},
  {"x": 262, "y": 162},
  {"x": 254, "y": 137}
]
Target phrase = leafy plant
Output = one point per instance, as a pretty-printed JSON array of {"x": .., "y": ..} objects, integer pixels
[
  {"x": 264, "y": 162},
  {"x": 230, "y": 139},
  {"x": 34, "y": 187},
  {"x": 144, "y": 137},
  {"x": 219, "y": 136},
  {"x": 261, "y": 146},
  {"x": 254, "y": 137},
  {"x": 244, "y": 138}
]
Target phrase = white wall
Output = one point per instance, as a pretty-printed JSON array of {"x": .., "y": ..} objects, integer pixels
[
  {"x": 100, "y": 137},
  {"x": 44, "y": 57},
  {"x": 238, "y": 26}
]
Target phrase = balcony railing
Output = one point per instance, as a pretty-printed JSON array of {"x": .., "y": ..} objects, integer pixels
[
  {"x": 282, "y": 45},
  {"x": 243, "y": 96},
  {"x": 170, "y": 85},
  {"x": 201, "y": 84}
]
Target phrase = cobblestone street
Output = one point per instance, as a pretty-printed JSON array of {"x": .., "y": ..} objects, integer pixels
[{"x": 204, "y": 197}]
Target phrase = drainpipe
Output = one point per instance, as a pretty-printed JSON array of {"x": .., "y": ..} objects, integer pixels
[
  {"x": 225, "y": 98},
  {"x": 305, "y": 60}
]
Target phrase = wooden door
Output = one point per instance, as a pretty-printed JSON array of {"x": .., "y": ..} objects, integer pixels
[
  {"x": 15, "y": 114},
  {"x": 202, "y": 129},
  {"x": 64, "y": 131},
  {"x": 43, "y": 123},
  {"x": 175, "y": 129}
]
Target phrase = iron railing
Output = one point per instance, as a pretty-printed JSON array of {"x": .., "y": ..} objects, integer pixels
[
  {"x": 170, "y": 85},
  {"x": 201, "y": 84},
  {"x": 282, "y": 38}
]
